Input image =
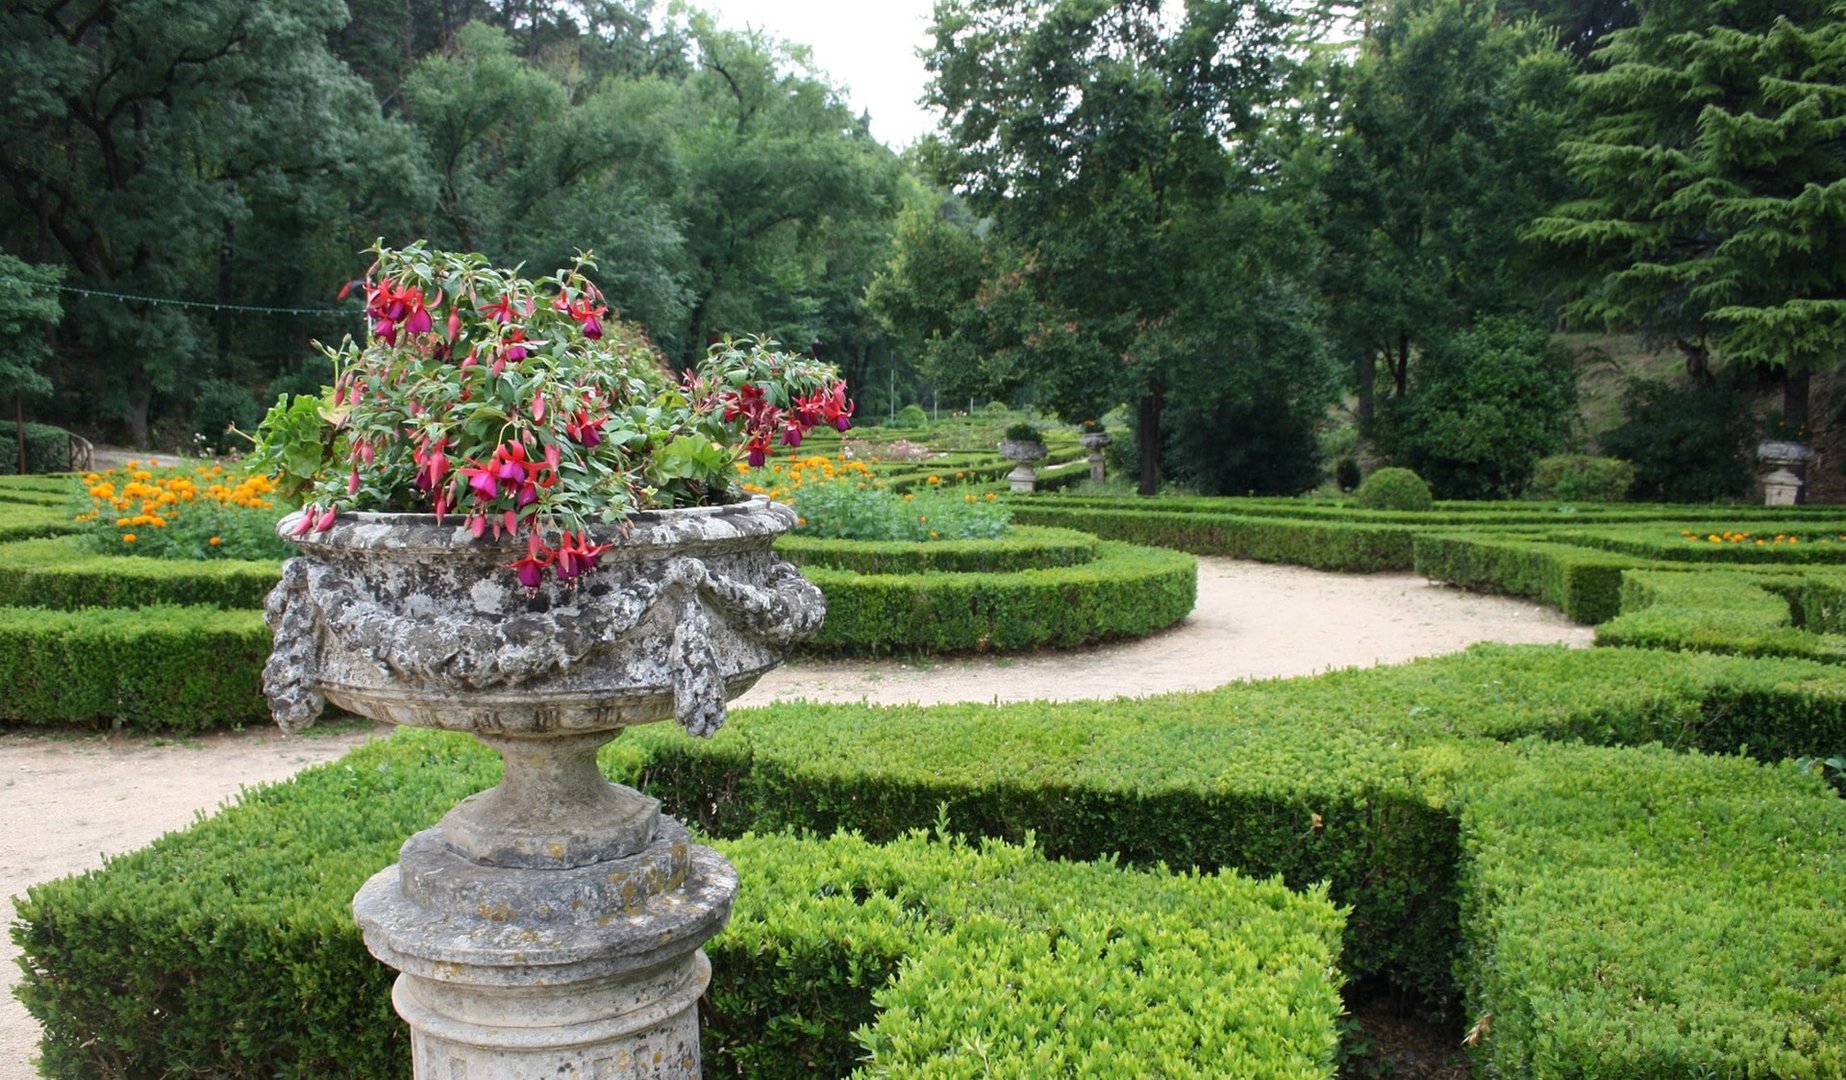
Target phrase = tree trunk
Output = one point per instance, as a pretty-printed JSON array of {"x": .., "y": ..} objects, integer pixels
[
  {"x": 1400, "y": 365},
  {"x": 140, "y": 400},
  {"x": 1698, "y": 362},
  {"x": 1368, "y": 388},
  {"x": 1795, "y": 417},
  {"x": 19, "y": 428},
  {"x": 1147, "y": 433}
]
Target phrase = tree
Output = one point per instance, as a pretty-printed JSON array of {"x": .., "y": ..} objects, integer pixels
[
  {"x": 780, "y": 186},
  {"x": 1490, "y": 402},
  {"x": 28, "y": 311},
  {"x": 1714, "y": 187},
  {"x": 141, "y": 136},
  {"x": 1102, "y": 140},
  {"x": 1446, "y": 127}
]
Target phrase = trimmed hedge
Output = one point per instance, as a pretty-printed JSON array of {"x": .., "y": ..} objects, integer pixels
[
  {"x": 1385, "y": 783},
  {"x": 47, "y": 449},
  {"x": 1328, "y": 545},
  {"x": 1125, "y": 591},
  {"x": 1022, "y": 548},
  {"x": 27, "y": 521},
  {"x": 63, "y": 573},
  {"x": 230, "y": 947},
  {"x": 153, "y": 669},
  {"x": 1642, "y": 913},
  {"x": 1658, "y": 544},
  {"x": 1714, "y": 611},
  {"x": 1585, "y": 584}
]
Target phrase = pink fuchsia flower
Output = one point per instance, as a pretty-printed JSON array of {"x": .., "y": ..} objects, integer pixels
[{"x": 531, "y": 569}]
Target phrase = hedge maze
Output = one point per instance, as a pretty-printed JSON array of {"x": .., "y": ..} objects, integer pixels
[{"x": 1614, "y": 862}]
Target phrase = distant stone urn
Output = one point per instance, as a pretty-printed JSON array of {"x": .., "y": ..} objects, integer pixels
[
  {"x": 1782, "y": 484},
  {"x": 1095, "y": 442},
  {"x": 1024, "y": 477},
  {"x": 551, "y": 925}
]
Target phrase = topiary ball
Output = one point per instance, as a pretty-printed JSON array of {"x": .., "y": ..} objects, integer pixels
[{"x": 1394, "y": 489}]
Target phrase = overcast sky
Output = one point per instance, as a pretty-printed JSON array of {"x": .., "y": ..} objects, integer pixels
[{"x": 867, "y": 47}]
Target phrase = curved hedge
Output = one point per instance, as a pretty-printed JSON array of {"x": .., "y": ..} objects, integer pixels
[
  {"x": 231, "y": 950},
  {"x": 1126, "y": 591},
  {"x": 1614, "y": 911},
  {"x": 1025, "y": 547}
]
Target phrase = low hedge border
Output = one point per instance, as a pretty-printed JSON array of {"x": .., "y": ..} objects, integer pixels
[
  {"x": 1320, "y": 545},
  {"x": 1584, "y": 583},
  {"x": 234, "y": 950},
  {"x": 62, "y": 573},
  {"x": 1125, "y": 591},
  {"x": 28, "y": 521},
  {"x": 1657, "y": 544},
  {"x": 1386, "y": 783},
  {"x": 1024, "y": 547},
  {"x": 1715, "y": 611},
  {"x": 1453, "y": 514},
  {"x": 181, "y": 669}
]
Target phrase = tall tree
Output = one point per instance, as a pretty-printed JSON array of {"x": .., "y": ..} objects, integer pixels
[
  {"x": 1101, "y": 138},
  {"x": 1714, "y": 186},
  {"x": 779, "y": 178},
  {"x": 140, "y": 136},
  {"x": 1446, "y": 129}
]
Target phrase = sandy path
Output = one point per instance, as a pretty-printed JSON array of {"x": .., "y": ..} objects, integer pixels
[{"x": 67, "y": 803}]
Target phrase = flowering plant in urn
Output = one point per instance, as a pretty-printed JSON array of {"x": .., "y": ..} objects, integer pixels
[
  {"x": 518, "y": 524},
  {"x": 522, "y": 407}
]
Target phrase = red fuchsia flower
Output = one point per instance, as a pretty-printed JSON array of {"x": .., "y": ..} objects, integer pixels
[
  {"x": 455, "y": 325},
  {"x": 791, "y": 435},
  {"x": 531, "y": 569},
  {"x": 757, "y": 450},
  {"x": 326, "y": 520},
  {"x": 309, "y": 515},
  {"x": 482, "y": 479},
  {"x": 828, "y": 406},
  {"x": 576, "y": 555},
  {"x": 589, "y": 316},
  {"x": 585, "y": 431}
]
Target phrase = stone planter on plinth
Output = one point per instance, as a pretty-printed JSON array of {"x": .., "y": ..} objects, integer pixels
[
  {"x": 1094, "y": 441},
  {"x": 1024, "y": 477},
  {"x": 1782, "y": 484},
  {"x": 550, "y": 926}
]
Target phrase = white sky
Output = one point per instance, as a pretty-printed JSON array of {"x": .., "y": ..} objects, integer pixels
[{"x": 867, "y": 47}]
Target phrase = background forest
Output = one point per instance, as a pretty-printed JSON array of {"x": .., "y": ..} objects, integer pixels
[{"x": 1276, "y": 242}]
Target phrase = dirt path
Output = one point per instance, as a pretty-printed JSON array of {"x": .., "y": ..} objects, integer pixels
[{"x": 68, "y": 803}]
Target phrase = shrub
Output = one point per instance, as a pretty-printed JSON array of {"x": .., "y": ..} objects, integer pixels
[
  {"x": 219, "y": 405},
  {"x": 229, "y": 950},
  {"x": 1024, "y": 548},
  {"x": 849, "y": 509},
  {"x": 1124, "y": 592},
  {"x": 151, "y": 669},
  {"x": 47, "y": 449},
  {"x": 1687, "y": 443},
  {"x": 911, "y": 416},
  {"x": 1581, "y": 478},
  {"x": 996, "y": 408},
  {"x": 65, "y": 574},
  {"x": 1346, "y": 474},
  {"x": 1393, "y": 488},
  {"x": 1488, "y": 404}
]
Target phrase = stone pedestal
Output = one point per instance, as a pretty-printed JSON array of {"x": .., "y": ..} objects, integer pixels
[
  {"x": 550, "y": 926},
  {"x": 1023, "y": 478},
  {"x": 1783, "y": 482},
  {"x": 1094, "y": 442}
]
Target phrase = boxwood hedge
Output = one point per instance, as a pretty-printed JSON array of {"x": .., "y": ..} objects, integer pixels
[
  {"x": 229, "y": 949},
  {"x": 1323, "y": 545},
  {"x": 1125, "y": 591},
  {"x": 1586, "y": 898},
  {"x": 1023, "y": 548},
  {"x": 64, "y": 574}
]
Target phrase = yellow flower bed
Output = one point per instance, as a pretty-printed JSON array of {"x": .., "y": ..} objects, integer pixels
[{"x": 190, "y": 510}]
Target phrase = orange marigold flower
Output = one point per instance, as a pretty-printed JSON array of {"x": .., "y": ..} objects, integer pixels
[
  {"x": 128, "y": 538},
  {"x": 214, "y": 541}
]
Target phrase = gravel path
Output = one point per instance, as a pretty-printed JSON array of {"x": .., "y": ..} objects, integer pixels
[{"x": 67, "y": 803}]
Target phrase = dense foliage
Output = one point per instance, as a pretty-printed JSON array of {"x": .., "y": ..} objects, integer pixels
[{"x": 1240, "y": 222}]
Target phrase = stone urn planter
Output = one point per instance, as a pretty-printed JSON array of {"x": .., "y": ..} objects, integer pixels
[
  {"x": 549, "y": 926},
  {"x": 1094, "y": 442},
  {"x": 1024, "y": 477},
  {"x": 1783, "y": 482}
]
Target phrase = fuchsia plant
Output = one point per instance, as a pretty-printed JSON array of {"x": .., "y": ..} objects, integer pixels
[{"x": 514, "y": 405}]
